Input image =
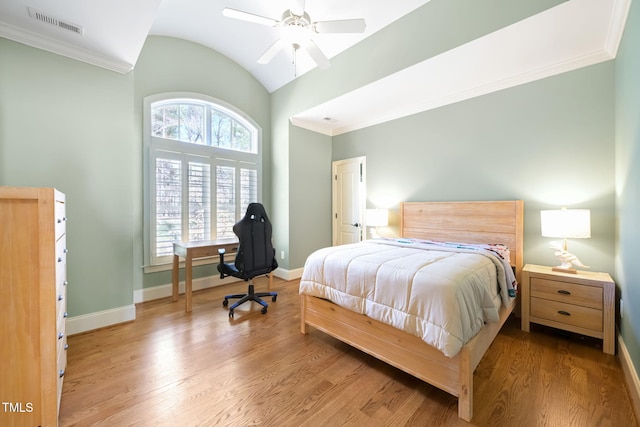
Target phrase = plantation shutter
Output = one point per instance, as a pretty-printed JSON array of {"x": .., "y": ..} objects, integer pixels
[
  {"x": 199, "y": 201},
  {"x": 248, "y": 188},
  {"x": 233, "y": 185},
  {"x": 168, "y": 214},
  {"x": 226, "y": 201}
]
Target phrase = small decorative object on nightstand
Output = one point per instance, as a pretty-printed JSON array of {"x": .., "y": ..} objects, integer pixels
[
  {"x": 566, "y": 223},
  {"x": 582, "y": 302}
]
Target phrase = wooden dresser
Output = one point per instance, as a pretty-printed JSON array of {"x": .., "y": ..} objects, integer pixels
[
  {"x": 583, "y": 302},
  {"x": 33, "y": 280}
]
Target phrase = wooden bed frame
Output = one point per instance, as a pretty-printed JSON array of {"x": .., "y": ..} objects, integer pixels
[{"x": 470, "y": 222}]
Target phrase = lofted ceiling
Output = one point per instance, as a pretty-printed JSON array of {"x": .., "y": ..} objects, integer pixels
[{"x": 111, "y": 33}]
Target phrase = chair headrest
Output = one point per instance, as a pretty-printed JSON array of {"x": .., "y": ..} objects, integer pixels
[{"x": 256, "y": 211}]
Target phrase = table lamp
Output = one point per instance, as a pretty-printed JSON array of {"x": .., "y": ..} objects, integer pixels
[
  {"x": 566, "y": 224},
  {"x": 376, "y": 218}
]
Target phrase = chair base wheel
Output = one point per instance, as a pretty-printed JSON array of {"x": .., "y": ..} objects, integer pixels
[{"x": 251, "y": 295}]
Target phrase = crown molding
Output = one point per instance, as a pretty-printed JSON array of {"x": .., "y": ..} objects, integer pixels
[{"x": 41, "y": 42}]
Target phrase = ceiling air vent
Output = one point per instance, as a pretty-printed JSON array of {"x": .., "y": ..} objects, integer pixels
[{"x": 47, "y": 19}]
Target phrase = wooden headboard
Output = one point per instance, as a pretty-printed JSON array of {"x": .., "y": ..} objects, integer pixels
[{"x": 469, "y": 222}]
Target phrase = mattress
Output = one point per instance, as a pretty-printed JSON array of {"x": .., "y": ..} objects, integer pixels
[{"x": 442, "y": 293}]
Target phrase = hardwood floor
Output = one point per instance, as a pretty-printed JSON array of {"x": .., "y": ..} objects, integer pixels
[{"x": 170, "y": 368}]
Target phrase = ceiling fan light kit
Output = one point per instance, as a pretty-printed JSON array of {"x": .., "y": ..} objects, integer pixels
[{"x": 297, "y": 30}]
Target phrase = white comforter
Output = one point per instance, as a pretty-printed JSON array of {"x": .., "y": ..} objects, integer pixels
[{"x": 443, "y": 295}]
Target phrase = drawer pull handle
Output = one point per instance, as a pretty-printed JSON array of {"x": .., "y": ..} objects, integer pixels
[
  {"x": 60, "y": 297},
  {"x": 59, "y": 259},
  {"x": 66, "y": 347},
  {"x": 563, "y": 292},
  {"x": 65, "y": 315},
  {"x": 564, "y": 313},
  {"x": 60, "y": 335},
  {"x": 61, "y": 373},
  {"x": 65, "y": 250},
  {"x": 65, "y": 283}
]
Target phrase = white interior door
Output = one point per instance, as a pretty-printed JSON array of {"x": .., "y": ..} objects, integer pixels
[{"x": 349, "y": 198}]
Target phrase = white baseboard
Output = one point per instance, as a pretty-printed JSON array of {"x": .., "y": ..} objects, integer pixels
[
  {"x": 630, "y": 375},
  {"x": 100, "y": 319},
  {"x": 288, "y": 274},
  {"x": 163, "y": 291}
]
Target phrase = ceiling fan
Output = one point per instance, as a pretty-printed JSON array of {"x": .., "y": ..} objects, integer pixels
[{"x": 297, "y": 30}]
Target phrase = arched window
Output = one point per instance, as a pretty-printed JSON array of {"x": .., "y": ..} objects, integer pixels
[{"x": 202, "y": 169}]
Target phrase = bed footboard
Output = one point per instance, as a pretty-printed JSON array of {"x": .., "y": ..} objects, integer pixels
[{"x": 404, "y": 351}]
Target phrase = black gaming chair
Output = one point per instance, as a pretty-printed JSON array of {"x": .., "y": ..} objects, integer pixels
[{"x": 255, "y": 257}]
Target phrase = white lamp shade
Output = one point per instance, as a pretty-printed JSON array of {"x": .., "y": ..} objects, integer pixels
[
  {"x": 566, "y": 223},
  {"x": 377, "y": 217}
]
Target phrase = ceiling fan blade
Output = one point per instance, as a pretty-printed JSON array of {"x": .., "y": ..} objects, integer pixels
[
  {"x": 316, "y": 54},
  {"x": 341, "y": 26},
  {"x": 249, "y": 17},
  {"x": 297, "y": 7},
  {"x": 271, "y": 52}
]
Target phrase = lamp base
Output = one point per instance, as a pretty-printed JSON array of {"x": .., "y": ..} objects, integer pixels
[{"x": 565, "y": 270}]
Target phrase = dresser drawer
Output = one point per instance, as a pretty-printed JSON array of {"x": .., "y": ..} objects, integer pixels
[
  {"x": 61, "y": 315},
  {"x": 61, "y": 337},
  {"x": 568, "y": 314},
  {"x": 571, "y": 293},
  {"x": 61, "y": 289},
  {"x": 60, "y": 219},
  {"x": 61, "y": 260},
  {"x": 62, "y": 353},
  {"x": 62, "y": 366}
]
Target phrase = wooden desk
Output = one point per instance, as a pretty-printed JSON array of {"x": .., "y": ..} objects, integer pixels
[{"x": 193, "y": 250}]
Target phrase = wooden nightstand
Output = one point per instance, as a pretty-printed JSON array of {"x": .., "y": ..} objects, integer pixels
[{"x": 583, "y": 302}]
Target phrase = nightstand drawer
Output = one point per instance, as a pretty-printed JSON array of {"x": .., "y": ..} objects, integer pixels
[
  {"x": 571, "y": 293},
  {"x": 568, "y": 314}
]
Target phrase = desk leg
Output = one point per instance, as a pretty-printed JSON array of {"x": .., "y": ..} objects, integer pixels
[
  {"x": 187, "y": 282},
  {"x": 175, "y": 276}
]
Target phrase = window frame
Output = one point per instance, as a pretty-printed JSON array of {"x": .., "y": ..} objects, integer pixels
[{"x": 154, "y": 147}]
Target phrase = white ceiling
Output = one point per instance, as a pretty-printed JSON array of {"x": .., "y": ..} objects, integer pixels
[
  {"x": 573, "y": 34},
  {"x": 115, "y": 30}
]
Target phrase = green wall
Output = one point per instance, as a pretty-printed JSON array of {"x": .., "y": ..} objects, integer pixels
[
  {"x": 69, "y": 125},
  {"x": 308, "y": 192},
  {"x": 161, "y": 68},
  {"x": 78, "y": 127},
  {"x": 549, "y": 143},
  {"x": 628, "y": 181},
  {"x": 436, "y": 27}
]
